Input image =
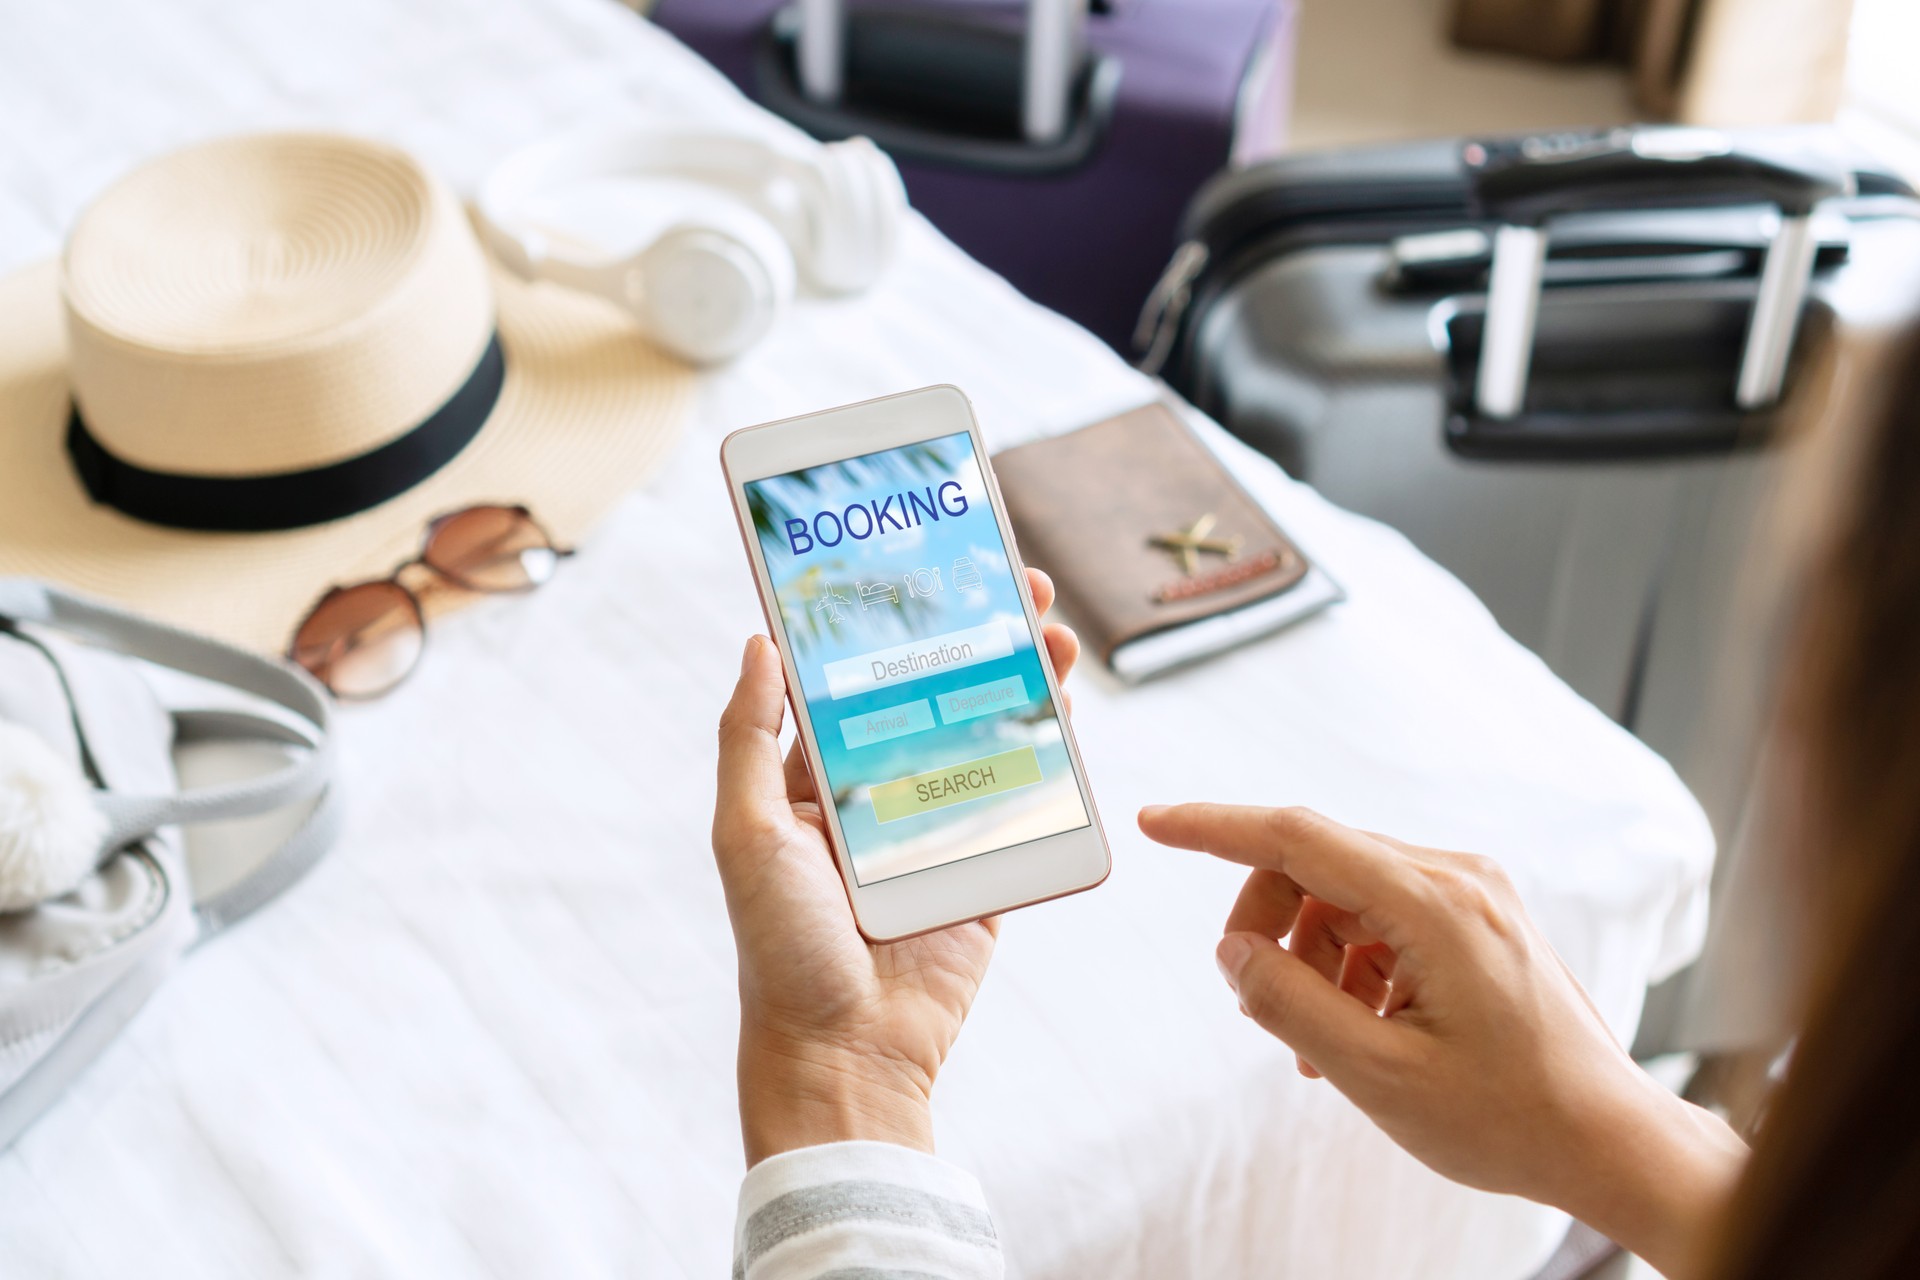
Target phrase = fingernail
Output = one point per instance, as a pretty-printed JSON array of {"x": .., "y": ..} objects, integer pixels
[
  {"x": 1231, "y": 955},
  {"x": 746, "y": 658},
  {"x": 1150, "y": 812}
]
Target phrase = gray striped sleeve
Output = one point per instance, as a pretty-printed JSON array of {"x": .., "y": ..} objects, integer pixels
[
  {"x": 812, "y": 1208},
  {"x": 863, "y": 1211}
]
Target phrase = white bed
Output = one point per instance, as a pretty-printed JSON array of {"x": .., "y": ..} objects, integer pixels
[{"x": 492, "y": 1035}]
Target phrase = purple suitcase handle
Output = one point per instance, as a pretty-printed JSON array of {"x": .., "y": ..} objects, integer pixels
[{"x": 1053, "y": 47}]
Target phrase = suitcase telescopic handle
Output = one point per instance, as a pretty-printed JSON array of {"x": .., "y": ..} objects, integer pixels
[
  {"x": 1522, "y": 185},
  {"x": 1055, "y": 37}
]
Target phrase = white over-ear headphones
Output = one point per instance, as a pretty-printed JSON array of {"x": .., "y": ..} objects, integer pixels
[{"x": 744, "y": 212}]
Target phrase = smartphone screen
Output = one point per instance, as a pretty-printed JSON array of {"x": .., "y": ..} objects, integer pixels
[{"x": 920, "y": 675}]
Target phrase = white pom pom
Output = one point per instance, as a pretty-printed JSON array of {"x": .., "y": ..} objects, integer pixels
[{"x": 50, "y": 831}]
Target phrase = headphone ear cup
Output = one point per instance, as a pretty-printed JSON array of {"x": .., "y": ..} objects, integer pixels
[
  {"x": 710, "y": 288},
  {"x": 854, "y": 216}
]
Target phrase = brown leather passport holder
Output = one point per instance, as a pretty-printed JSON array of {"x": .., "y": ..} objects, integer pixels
[{"x": 1141, "y": 527}]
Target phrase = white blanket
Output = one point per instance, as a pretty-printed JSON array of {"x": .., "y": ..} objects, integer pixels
[{"x": 493, "y": 1034}]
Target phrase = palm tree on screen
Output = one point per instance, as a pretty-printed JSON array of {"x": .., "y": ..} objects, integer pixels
[{"x": 771, "y": 506}]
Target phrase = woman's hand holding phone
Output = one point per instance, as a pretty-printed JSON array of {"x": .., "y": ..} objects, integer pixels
[
  {"x": 1414, "y": 981},
  {"x": 840, "y": 1038}
]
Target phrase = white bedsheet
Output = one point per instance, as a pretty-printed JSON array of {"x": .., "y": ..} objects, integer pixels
[{"x": 493, "y": 1034}]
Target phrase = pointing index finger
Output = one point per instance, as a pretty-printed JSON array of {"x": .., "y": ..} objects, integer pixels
[{"x": 1325, "y": 859}]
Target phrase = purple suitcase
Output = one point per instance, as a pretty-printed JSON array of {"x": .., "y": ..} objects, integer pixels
[{"x": 1157, "y": 96}]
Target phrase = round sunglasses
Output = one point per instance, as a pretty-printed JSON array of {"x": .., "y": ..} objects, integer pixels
[{"x": 362, "y": 640}]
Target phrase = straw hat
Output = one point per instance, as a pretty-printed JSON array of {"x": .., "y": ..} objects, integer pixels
[{"x": 266, "y": 363}]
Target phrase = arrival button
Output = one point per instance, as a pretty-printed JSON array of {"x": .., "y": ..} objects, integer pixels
[
  {"x": 886, "y": 724},
  {"x": 955, "y": 784}
]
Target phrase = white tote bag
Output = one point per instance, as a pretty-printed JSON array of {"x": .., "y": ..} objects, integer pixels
[{"x": 96, "y": 903}]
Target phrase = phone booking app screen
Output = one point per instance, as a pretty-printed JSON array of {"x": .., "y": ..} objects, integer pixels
[{"x": 939, "y": 737}]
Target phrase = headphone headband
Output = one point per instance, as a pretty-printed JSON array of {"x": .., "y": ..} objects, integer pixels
[
  {"x": 727, "y": 160},
  {"x": 713, "y": 278}
]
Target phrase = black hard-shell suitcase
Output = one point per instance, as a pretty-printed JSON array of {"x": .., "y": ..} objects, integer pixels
[
  {"x": 1598, "y": 481},
  {"x": 1330, "y": 310}
]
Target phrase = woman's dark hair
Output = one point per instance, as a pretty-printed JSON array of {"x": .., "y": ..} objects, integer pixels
[{"x": 1834, "y": 1184}]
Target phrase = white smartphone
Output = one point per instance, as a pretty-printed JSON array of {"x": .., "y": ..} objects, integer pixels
[{"x": 926, "y": 706}]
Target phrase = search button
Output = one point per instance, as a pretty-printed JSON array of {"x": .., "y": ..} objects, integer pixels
[{"x": 955, "y": 784}]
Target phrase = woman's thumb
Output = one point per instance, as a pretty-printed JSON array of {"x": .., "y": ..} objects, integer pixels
[
  {"x": 752, "y": 793},
  {"x": 1291, "y": 1001}
]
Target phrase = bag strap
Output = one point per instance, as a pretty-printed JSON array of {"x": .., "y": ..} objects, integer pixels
[
  {"x": 131, "y": 817},
  {"x": 285, "y": 865}
]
